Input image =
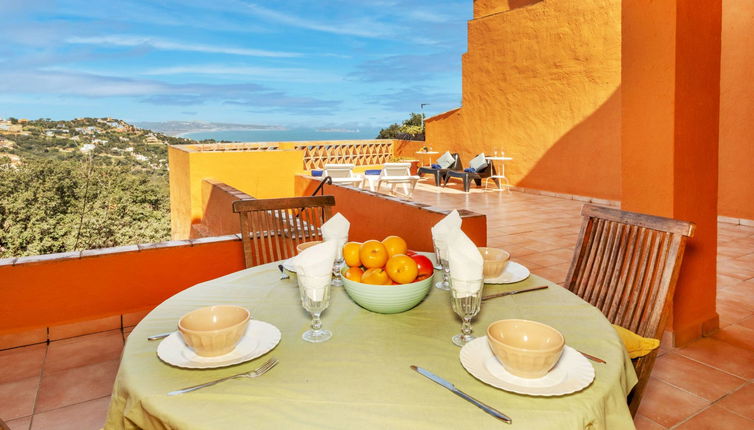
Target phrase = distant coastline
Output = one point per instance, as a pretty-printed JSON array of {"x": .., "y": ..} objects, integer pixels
[
  {"x": 188, "y": 133},
  {"x": 184, "y": 128},
  {"x": 283, "y": 134}
]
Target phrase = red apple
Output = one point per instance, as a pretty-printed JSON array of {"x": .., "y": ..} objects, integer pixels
[{"x": 425, "y": 266}]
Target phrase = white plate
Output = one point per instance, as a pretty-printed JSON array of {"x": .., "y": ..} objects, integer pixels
[
  {"x": 260, "y": 338},
  {"x": 513, "y": 273},
  {"x": 572, "y": 373}
]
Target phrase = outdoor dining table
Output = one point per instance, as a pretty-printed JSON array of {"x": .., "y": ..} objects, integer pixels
[{"x": 361, "y": 379}]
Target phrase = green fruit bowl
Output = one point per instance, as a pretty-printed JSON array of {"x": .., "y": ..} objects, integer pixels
[{"x": 388, "y": 299}]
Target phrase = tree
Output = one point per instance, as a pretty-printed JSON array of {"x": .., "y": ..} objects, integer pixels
[
  {"x": 410, "y": 129},
  {"x": 49, "y": 206}
]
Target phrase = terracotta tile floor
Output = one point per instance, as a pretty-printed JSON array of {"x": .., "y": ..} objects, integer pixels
[{"x": 708, "y": 384}]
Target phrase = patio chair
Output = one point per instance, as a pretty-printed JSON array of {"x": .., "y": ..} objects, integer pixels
[
  {"x": 439, "y": 172},
  {"x": 271, "y": 228},
  {"x": 626, "y": 264},
  {"x": 470, "y": 173},
  {"x": 395, "y": 174},
  {"x": 342, "y": 174}
]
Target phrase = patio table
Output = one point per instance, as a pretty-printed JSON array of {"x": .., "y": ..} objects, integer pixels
[{"x": 361, "y": 377}]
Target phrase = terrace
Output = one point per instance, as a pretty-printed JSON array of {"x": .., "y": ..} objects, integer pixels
[
  {"x": 66, "y": 383},
  {"x": 615, "y": 142}
]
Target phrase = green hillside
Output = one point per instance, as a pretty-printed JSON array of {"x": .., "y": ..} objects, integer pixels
[{"x": 81, "y": 184}]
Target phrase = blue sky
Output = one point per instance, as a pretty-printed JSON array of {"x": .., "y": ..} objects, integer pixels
[{"x": 287, "y": 62}]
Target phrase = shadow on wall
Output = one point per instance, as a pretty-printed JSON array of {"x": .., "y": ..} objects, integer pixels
[
  {"x": 515, "y": 4},
  {"x": 491, "y": 7},
  {"x": 586, "y": 160}
]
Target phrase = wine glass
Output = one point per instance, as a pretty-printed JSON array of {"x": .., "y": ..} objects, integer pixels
[
  {"x": 315, "y": 298},
  {"x": 437, "y": 265},
  {"x": 444, "y": 283},
  {"x": 466, "y": 300},
  {"x": 337, "y": 277}
]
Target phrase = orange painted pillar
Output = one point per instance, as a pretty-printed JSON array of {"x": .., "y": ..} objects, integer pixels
[{"x": 670, "y": 109}]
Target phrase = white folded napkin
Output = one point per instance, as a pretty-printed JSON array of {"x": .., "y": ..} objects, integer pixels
[
  {"x": 313, "y": 268},
  {"x": 444, "y": 230},
  {"x": 336, "y": 228},
  {"x": 466, "y": 265}
]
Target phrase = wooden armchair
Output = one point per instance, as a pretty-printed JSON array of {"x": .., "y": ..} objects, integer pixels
[
  {"x": 271, "y": 228},
  {"x": 626, "y": 264}
]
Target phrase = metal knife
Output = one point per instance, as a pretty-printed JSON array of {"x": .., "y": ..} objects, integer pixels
[
  {"x": 510, "y": 293},
  {"x": 490, "y": 410},
  {"x": 160, "y": 336}
]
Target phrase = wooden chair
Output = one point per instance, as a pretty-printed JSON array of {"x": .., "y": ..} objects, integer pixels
[
  {"x": 626, "y": 264},
  {"x": 272, "y": 228}
]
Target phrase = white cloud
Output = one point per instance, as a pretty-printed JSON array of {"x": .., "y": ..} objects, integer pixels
[
  {"x": 263, "y": 73},
  {"x": 167, "y": 45},
  {"x": 428, "y": 16},
  {"x": 362, "y": 27}
]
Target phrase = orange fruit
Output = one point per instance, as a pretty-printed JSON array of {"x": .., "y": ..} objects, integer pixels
[
  {"x": 376, "y": 276},
  {"x": 402, "y": 269},
  {"x": 373, "y": 254},
  {"x": 351, "y": 253},
  {"x": 353, "y": 273},
  {"x": 395, "y": 245}
]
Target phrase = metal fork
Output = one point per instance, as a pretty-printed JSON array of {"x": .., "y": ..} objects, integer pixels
[{"x": 259, "y": 371}]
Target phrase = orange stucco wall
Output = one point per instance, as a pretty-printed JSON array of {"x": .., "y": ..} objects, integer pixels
[
  {"x": 671, "y": 77},
  {"x": 262, "y": 174},
  {"x": 541, "y": 81},
  {"x": 736, "y": 195},
  {"x": 106, "y": 282},
  {"x": 218, "y": 218},
  {"x": 376, "y": 216}
]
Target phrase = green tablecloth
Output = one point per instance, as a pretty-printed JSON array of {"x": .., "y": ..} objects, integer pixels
[{"x": 361, "y": 377}]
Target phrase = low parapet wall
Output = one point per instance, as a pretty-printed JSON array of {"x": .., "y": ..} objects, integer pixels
[
  {"x": 374, "y": 215},
  {"x": 49, "y": 297},
  {"x": 218, "y": 217}
]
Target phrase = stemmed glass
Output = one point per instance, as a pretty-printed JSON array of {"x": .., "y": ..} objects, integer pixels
[
  {"x": 466, "y": 300},
  {"x": 337, "y": 277},
  {"x": 315, "y": 298},
  {"x": 443, "y": 284}
]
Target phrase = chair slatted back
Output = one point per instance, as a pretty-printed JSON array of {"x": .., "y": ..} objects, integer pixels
[
  {"x": 627, "y": 264},
  {"x": 457, "y": 164},
  {"x": 272, "y": 228},
  {"x": 396, "y": 169},
  {"x": 339, "y": 170}
]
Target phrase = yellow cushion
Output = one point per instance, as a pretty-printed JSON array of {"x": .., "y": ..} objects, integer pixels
[{"x": 636, "y": 345}]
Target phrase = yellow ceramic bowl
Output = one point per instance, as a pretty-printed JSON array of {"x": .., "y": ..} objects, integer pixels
[
  {"x": 302, "y": 246},
  {"x": 528, "y": 349},
  {"x": 214, "y": 330},
  {"x": 495, "y": 261}
]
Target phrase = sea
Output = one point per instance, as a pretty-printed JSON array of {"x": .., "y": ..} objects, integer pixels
[{"x": 283, "y": 135}]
